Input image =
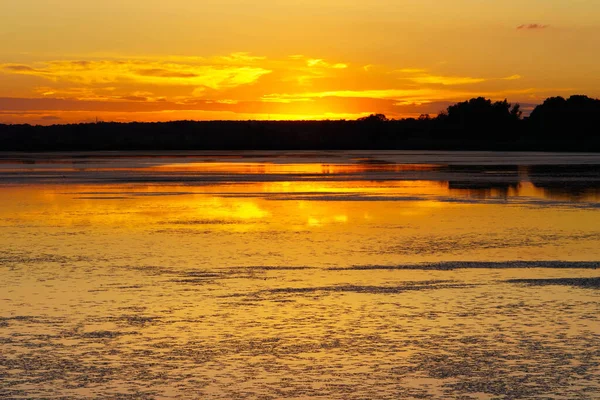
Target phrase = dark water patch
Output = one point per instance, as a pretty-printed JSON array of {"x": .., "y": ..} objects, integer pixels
[
  {"x": 18, "y": 394},
  {"x": 185, "y": 231},
  {"x": 203, "y": 274},
  {"x": 103, "y": 334},
  {"x": 205, "y": 221},
  {"x": 344, "y": 197},
  {"x": 23, "y": 318},
  {"x": 194, "y": 281},
  {"x": 51, "y": 369},
  {"x": 102, "y": 198},
  {"x": 271, "y": 268},
  {"x": 436, "y": 244},
  {"x": 126, "y": 320},
  {"x": 110, "y": 287},
  {"x": 152, "y": 270},
  {"x": 134, "y": 395},
  {"x": 198, "y": 277},
  {"x": 125, "y": 193},
  {"x": 250, "y": 272},
  {"x": 485, "y": 364},
  {"x": 29, "y": 319},
  {"x": 586, "y": 283},
  {"x": 174, "y": 273},
  {"x": 575, "y": 204},
  {"x": 139, "y": 320},
  {"x": 452, "y": 265},
  {"x": 128, "y": 287},
  {"x": 160, "y": 194},
  {"x": 25, "y": 257},
  {"x": 366, "y": 289}
]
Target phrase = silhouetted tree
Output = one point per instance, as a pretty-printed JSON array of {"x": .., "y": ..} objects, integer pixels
[
  {"x": 577, "y": 117},
  {"x": 480, "y": 119},
  {"x": 481, "y": 111},
  {"x": 374, "y": 118},
  {"x": 479, "y": 123}
]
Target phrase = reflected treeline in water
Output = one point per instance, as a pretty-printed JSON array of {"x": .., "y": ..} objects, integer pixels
[
  {"x": 571, "y": 190},
  {"x": 572, "y": 182},
  {"x": 484, "y": 190},
  {"x": 483, "y": 182},
  {"x": 559, "y": 182},
  {"x": 482, "y": 175}
]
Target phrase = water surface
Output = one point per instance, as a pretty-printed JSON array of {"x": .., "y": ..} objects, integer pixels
[{"x": 296, "y": 275}]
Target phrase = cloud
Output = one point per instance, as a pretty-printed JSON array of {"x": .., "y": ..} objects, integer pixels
[
  {"x": 512, "y": 77},
  {"x": 371, "y": 94},
  {"x": 143, "y": 71},
  {"x": 19, "y": 68},
  {"x": 165, "y": 73},
  {"x": 227, "y": 101},
  {"x": 317, "y": 62},
  {"x": 241, "y": 85},
  {"x": 241, "y": 57},
  {"x": 134, "y": 98},
  {"x": 446, "y": 80},
  {"x": 411, "y": 70},
  {"x": 423, "y": 77},
  {"x": 94, "y": 93},
  {"x": 532, "y": 26}
]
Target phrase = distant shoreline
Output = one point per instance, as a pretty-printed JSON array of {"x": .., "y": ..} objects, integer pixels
[
  {"x": 181, "y": 136},
  {"x": 557, "y": 125}
]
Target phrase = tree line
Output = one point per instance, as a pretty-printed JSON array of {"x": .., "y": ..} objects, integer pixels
[{"x": 558, "y": 124}]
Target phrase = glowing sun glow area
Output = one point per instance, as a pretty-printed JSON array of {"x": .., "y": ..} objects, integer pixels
[{"x": 72, "y": 61}]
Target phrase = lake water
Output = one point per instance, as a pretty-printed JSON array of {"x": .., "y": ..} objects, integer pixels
[{"x": 269, "y": 275}]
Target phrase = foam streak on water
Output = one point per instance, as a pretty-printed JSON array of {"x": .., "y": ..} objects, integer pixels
[{"x": 269, "y": 275}]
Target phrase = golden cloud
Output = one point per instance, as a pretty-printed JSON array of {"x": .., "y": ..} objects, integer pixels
[
  {"x": 142, "y": 72},
  {"x": 423, "y": 77},
  {"x": 372, "y": 94},
  {"x": 295, "y": 86},
  {"x": 512, "y": 77},
  {"x": 317, "y": 62},
  {"x": 446, "y": 80}
]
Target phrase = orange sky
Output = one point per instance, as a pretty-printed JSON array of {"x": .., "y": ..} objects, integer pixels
[{"x": 69, "y": 60}]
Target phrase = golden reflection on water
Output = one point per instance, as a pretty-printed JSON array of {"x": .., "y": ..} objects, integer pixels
[
  {"x": 375, "y": 222},
  {"x": 298, "y": 288},
  {"x": 292, "y": 168}
]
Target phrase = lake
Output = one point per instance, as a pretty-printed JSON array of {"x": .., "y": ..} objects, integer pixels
[{"x": 269, "y": 275}]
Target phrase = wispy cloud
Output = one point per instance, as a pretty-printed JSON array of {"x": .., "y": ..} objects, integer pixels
[
  {"x": 366, "y": 94},
  {"x": 424, "y": 77},
  {"x": 532, "y": 26},
  {"x": 17, "y": 68},
  {"x": 412, "y": 70},
  {"x": 446, "y": 80},
  {"x": 317, "y": 62},
  {"x": 142, "y": 72},
  {"x": 165, "y": 73}
]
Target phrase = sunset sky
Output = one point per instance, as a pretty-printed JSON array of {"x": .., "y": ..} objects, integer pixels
[{"x": 154, "y": 60}]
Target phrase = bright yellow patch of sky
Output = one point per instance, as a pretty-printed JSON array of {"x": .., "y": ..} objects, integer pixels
[{"x": 71, "y": 61}]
